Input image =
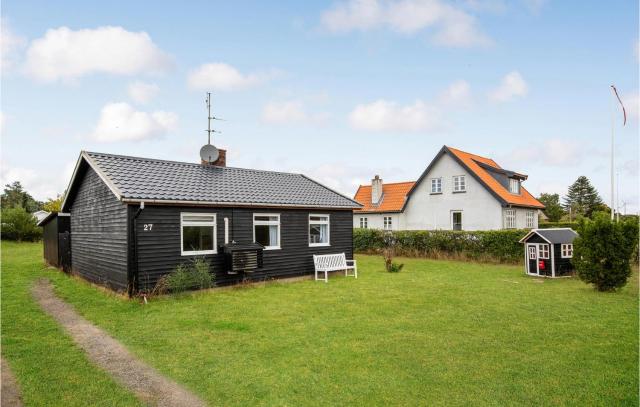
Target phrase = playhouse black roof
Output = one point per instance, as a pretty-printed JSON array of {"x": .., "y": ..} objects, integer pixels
[
  {"x": 135, "y": 179},
  {"x": 553, "y": 236}
]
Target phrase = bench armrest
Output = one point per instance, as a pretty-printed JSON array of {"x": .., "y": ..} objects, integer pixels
[{"x": 352, "y": 262}]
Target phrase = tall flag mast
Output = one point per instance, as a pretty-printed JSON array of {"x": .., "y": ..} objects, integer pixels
[{"x": 624, "y": 112}]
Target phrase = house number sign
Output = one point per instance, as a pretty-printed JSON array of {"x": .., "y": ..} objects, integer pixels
[{"x": 148, "y": 227}]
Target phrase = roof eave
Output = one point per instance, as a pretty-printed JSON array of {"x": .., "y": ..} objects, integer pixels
[{"x": 233, "y": 204}]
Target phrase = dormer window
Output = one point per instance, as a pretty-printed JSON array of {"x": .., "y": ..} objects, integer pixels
[{"x": 514, "y": 186}]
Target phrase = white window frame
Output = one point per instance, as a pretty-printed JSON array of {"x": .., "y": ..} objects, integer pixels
[
  {"x": 364, "y": 223},
  {"x": 566, "y": 250},
  {"x": 509, "y": 215},
  {"x": 543, "y": 251},
  {"x": 530, "y": 219},
  {"x": 267, "y": 223},
  {"x": 459, "y": 183},
  {"x": 461, "y": 219},
  {"x": 436, "y": 182},
  {"x": 191, "y": 223},
  {"x": 514, "y": 182},
  {"x": 387, "y": 223},
  {"x": 318, "y": 222}
]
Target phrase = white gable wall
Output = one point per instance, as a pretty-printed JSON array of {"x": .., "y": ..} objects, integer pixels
[
  {"x": 376, "y": 220},
  {"x": 424, "y": 211}
]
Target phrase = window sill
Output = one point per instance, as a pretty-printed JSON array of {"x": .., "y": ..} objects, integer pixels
[
  {"x": 435, "y": 193},
  {"x": 319, "y": 244},
  {"x": 272, "y": 248},
  {"x": 460, "y": 192},
  {"x": 199, "y": 253}
]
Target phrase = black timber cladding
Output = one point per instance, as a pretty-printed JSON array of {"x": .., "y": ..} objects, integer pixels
[
  {"x": 98, "y": 232},
  {"x": 52, "y": 226},
  {"x": 159, "y": 249}
]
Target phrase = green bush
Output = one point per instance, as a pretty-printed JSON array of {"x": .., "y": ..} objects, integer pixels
[
  {"x": 603, "y": 252},
  {"x": 187, "y": 276},
  {"x": 18, "y": 224},
  {"x": 493, "y": 245}
]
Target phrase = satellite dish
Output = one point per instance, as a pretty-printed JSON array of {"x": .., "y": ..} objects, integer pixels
[{"x": 209, "y": 153}]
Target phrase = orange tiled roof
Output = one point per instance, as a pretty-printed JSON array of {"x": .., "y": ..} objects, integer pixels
[
  {"x": 393, "y": 197},
  {"x": 470, "y": 161}
]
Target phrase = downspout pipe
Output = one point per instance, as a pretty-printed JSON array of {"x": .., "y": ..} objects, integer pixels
[{"x": 134, "y": 265}]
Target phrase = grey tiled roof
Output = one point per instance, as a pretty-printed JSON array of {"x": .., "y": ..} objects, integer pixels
[
  {"x": 149, "y": 179},
  {"x": 558, "y": 235}
]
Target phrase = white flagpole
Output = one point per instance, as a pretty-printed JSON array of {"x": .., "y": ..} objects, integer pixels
[{"x": 612, "y": 148}]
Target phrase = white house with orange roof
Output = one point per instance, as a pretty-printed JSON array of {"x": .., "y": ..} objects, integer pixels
[{"x": 457, "y": 191}]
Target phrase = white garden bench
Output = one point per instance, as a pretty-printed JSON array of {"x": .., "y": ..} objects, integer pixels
[{"x": 324, "y": 263}]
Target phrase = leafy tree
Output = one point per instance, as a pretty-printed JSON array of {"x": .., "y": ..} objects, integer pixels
[
  {"x": 14, "y": 196},
  {"x": 552, "y": 209},
  {"x": 18, "y": 224},
  {"x": 582, "y": 198},
  {"x": 603, "y": 252},
  {"x": 53, "y": 205}
]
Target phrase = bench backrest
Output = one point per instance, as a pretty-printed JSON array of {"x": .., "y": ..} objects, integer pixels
[{"x": 330, "y": 261}]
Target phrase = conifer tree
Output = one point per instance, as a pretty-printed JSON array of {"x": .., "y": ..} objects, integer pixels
[{"x": 582, "y": 198}]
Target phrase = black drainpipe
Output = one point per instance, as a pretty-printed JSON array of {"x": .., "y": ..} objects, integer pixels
[{"x": 134, "y": 272}]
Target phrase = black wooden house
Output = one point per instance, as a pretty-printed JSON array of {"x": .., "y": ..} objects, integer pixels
[
  {"x": 133, "y": 220},
  {"x": 548, "y": 252}
]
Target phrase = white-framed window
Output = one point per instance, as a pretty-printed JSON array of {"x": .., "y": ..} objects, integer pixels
[
  {"x": 197, "y": 233},
  {"x": 436, "y": 185},
  {"x": 456, "y": 220},
  {"x": 533, "y": 254},
  {"x": 566, "y": 251},
  {"x": 266, "y": 230},
  {"x": 509, "y": 218},
  {"x": 459, "y": 184},
  {"x": 318, "y": 230},
  {"x": 364, "y": 223},
  {"x": 387, "y": 223},
  {"x": 529, "y": 219},
  {"x": 543, "y": 251},
  {"x": 514, "y": 186}
]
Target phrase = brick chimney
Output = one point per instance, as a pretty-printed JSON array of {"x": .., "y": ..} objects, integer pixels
[
  {"x": 376, "y": 190},
  {"x": 221, "y": 161}
]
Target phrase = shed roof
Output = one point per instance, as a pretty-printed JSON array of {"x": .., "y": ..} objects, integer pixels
[
  {"x": 135, "y": 179},
  {"x": 553, "y": 236}
]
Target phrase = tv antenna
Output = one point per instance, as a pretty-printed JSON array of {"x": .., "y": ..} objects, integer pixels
[{"x": 209, "y": 153}]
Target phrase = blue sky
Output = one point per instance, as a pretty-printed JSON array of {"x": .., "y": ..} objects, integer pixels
[{"x": 338, "y": 90}]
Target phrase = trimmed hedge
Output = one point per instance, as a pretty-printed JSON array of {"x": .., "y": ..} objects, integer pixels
[
  {"x": 548, "y": 225},
  {"x": 492, "y": 246}
]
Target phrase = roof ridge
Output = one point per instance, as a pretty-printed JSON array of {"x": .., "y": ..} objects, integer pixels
[
  {"x": 389, "y": 183},
  {"x": 474, "y": 155},
  {"x": 188, "y": 163}
]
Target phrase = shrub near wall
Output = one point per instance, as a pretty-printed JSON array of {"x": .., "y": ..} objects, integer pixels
[{"x": 493, "y": 246}]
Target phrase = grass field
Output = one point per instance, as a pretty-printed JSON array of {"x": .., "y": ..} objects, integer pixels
[{"x": 439, "y": 332}]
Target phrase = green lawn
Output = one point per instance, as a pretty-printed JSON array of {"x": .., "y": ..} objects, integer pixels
[{"x": 439, "y": 332}]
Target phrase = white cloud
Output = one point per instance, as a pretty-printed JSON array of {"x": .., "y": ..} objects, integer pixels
[
  {"x": 220, "y": 76},
  {"x": 513, "y": 85},
  {"x": 383, "y": 115},
  {"x": 65, "y": 54},
  {"x": 554, "y": 152},
  {"x": 458, "y": 94},
  {"x": 451, "y": 25},
  {"x": 142, "y": 92},
  {"x": 632, "y": 104},
  {"x": 290, "y": 112},
  {"x": 40, "y": 185},
  {"x": 10, "y": 44},
  {"x": 121, "y": 122}
]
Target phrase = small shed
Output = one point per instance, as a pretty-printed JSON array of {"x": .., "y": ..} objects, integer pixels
[
  {"x": 548, "y": 252},
  {"x": 56, "y": 239}
]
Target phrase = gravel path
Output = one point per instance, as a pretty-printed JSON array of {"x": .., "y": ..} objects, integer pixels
[
  {"x": 145, "y": 382},
  {"x": 10, "y": 390}
]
